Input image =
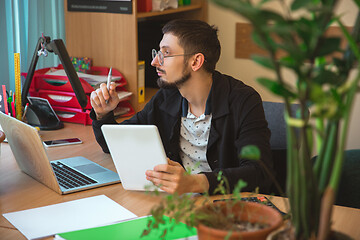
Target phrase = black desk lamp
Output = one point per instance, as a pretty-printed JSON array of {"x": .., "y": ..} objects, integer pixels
[{"x": 39, "y": 116}]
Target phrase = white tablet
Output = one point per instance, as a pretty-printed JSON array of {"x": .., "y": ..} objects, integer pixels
[{"x": 134, "y": 149}]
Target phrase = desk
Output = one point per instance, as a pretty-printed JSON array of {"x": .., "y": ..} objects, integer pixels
[{"x": 19, "y": 191}]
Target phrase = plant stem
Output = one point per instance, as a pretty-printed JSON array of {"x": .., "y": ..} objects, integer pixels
[{"x": 329, "y": 155}]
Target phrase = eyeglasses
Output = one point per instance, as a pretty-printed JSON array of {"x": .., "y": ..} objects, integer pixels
[{"x": 161, "y": 56}]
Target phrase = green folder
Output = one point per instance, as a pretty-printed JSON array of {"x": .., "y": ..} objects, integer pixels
[{"x": 131, "y": 229}]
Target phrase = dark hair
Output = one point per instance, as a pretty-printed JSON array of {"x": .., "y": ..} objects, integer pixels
[{"x": 196, "y": 37}]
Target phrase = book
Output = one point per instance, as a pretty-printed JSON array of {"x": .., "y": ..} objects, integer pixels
[
  {"x": 3, "y": 101},
  {"x": 131, "y": 229}
]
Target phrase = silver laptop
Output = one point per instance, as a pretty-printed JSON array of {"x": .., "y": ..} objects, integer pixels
[
  {"x": 134, "y": 149},
  {"x": 63, "y": 176}
]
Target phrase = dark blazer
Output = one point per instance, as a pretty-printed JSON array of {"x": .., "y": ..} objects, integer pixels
[{"x": 237, "y": 120}]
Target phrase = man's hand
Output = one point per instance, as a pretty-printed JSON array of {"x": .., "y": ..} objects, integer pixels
[
  {"x": 103, "y": 100},
  {"x": 173, "y": 178}
]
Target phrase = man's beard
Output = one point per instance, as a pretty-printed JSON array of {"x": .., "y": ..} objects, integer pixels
[{"x": 177, "y": 84}]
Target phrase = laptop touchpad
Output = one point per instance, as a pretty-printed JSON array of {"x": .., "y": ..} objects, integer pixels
[{"x": 89, "y": 168}]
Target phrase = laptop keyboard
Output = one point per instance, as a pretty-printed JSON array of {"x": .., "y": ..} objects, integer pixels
[{"x": 70, "y": 178}]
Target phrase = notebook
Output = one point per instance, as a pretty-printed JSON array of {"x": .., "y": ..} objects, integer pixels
[
  {"x": 134, "y": 149},
  {"x": 132, "y": 229},
  {"x": 32, "y": 159}
]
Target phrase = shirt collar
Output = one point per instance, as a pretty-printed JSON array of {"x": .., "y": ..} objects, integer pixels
[{"x": 185, "y": 105}]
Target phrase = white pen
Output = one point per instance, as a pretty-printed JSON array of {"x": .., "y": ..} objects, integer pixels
[{"x": 108, "y": 81}]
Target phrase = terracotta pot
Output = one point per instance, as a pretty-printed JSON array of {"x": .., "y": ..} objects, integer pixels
[
  {"x": 288, "y": 233},
  {"x": 246, "y": 211}
]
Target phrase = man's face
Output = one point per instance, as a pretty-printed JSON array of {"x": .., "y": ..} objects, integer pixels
[{"x": 174, "y": 72}]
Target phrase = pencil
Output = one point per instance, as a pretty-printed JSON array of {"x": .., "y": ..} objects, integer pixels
[
  {"x": 13, "y": 109},
  {"x": 25, "y": 110}
]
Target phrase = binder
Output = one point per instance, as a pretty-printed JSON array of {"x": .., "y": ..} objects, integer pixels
[
  {"x": 131, "y": 229},
  {"x": 141, "y": 81},
  {"x": 3, "y": 100},
  {"x": 144, "y": 5}
]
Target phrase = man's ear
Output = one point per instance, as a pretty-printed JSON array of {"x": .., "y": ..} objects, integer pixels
[{"x": 197, "y": 61}]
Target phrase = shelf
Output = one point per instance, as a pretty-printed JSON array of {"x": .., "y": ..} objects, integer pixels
[
  {"x": 121, "y": 50},
  {"x": 192, "y": 7}
]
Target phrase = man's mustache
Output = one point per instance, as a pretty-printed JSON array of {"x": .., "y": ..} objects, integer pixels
[{"x": 160, "y": 70}]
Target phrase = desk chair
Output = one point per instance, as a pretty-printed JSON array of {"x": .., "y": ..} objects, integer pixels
[
  {"x": 349, "y": 188},
  {"x": 274, "y": 114}
]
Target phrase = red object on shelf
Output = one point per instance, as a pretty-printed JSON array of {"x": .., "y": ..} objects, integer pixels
[
  {"x": 64, "y": 99},
  {"x": 125, "y": 105},
  {"x": 74, "y": 115},
  {"x": 58, "y": 91},
  {"x": 41, "y": 80},
  {"x": 144, "y": 5}
]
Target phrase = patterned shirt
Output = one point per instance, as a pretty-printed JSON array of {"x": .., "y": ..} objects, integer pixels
[{"x": 194, "y": 135}]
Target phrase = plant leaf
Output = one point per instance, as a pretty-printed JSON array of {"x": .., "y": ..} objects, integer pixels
[
  {"x": 325, "y": 76},
  {"x": 328, "y": 46},
  {"x": 297, "y": 4},
  {"x": 263, "y": 61},
  {"x": 250, "y": 152},
  {"x": 351, "y": 40},
  {"x": 276, "y": 88}
]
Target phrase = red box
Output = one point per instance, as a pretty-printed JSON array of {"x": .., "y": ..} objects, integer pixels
[
  {"x": 41, "y": 80},
  {"x": 64, "y": 99},
  {"x": 144, "y": 5},
  {"x": 124, "y": 107},
  {"x": 73, "y": 115}
]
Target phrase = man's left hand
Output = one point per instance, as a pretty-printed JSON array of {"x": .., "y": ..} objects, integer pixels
[{"x": 172, "y": 178}]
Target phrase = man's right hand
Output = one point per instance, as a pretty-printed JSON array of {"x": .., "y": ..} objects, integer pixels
[{"x": 103, "y": 100}]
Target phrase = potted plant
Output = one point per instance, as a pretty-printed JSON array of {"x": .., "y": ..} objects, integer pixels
[
  {"x": 323, "y": 85},
  {"x": 224, "y": 219}
]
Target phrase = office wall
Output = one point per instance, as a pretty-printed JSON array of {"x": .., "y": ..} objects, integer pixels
[{"x": 247, "y": 71}]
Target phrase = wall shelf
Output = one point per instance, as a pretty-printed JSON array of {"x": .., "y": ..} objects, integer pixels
[{"x": 112, "y": 39}]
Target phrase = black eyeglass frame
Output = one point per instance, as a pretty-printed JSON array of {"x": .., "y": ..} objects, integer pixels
[{"x": 162, "y": 57}]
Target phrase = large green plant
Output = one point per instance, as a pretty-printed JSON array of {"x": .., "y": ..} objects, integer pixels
[{"x": 322, "y": 84}]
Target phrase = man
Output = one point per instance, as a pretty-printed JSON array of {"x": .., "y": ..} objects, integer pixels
[{"x": 204, "y": 117}]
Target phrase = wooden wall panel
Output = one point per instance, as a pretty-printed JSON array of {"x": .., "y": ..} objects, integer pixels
[{"x": 245, "y": 47}]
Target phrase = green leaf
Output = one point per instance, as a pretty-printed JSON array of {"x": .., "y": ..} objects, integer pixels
[
  {"x": 320, "y": 61},
  {"x": 264, "y": 42},
  {"x": 289, "y": 62},
  {"x": 357, "y": 3},
  {"x": 257, "y": 40},
  {"x": 324, "y": 76},
  {"x": 328, "y": 46},
  {"x": 297, "y": 4},
  {"x": 351, "y": 41},
  {"x": 275, "y": 87},
  {"x": 250, "y": 152},
  {"x": 268, "y": 16},
  {"x": 263, "y": 61},
  {"x": 316, "y": 93}
]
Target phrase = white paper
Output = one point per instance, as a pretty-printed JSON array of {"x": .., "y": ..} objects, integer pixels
[
  {"x": 69, "y": 216},
  {"x": 90, "y": 78}
]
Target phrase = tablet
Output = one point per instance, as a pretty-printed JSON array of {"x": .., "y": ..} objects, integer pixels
[{"x": 134, "y": 149}]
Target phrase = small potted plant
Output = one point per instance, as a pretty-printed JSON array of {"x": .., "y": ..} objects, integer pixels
[
  {"x": 224, "y": 219},
  {"x": 322, "y": 83}
]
